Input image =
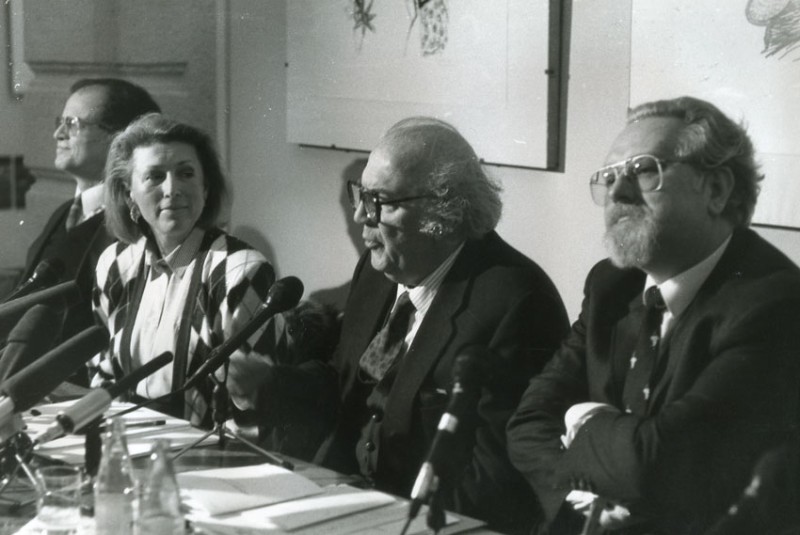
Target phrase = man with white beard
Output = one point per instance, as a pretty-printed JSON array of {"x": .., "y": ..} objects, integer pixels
[{"x": 683, "y": 365}]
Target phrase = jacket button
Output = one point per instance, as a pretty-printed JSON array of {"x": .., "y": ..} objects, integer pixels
[
  {"x": 377, "y": 416},
  {"x": 369, "y": 446}
]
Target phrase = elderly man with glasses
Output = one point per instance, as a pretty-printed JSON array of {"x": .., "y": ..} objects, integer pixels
[
  {"x": 434, "y": 281},
  {"x": 683, "y": 365},
  {"x": 74, "y": 236}
]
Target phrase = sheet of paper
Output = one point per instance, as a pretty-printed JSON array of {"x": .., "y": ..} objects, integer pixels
[{"x": 226, "y": 490}]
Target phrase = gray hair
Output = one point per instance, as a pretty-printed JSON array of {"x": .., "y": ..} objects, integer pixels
[
  {"x": 711, "y": 140},
  {"x": 467, "y": 202}
]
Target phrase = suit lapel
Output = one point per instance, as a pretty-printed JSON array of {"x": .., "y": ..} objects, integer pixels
[
  {"x": 34, "y": 255},
  {"x": 438, "y": 329},
  {"x": 681, "y": 329}
]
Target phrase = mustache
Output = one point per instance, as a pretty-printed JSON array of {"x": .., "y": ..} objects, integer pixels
[{"x": 618, "y": 211}]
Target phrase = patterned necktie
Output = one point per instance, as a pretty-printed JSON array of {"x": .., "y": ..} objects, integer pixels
[
  {"x": 75, "y": 212},
  {"x": 388, "y": 342},
  {"x": 636, "y": 393}
]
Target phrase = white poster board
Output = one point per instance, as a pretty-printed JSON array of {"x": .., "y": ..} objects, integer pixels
[
  {"x": 744, "y": 61},
  {"x": 482, "y": 66}
]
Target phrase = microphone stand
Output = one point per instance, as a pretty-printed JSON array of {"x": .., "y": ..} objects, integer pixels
[
  {"x": 220, "y": 403},
  {"x": 14, "y": 455}
]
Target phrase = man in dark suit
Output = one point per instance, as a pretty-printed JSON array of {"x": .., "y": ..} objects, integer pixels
[
  {"x": 75, "y": 234},
  {"x": 655, "y": 409},
  {"x": 427, "y": 212}
]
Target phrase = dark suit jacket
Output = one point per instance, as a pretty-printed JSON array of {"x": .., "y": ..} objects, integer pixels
[
  {"x": 729, "y": 390},
  {"x": 79, "y": 248},
  {"x": 493, "y": 296}
]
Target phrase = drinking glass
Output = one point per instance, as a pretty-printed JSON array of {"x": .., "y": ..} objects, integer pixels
[{"x": 59, "y": 499}]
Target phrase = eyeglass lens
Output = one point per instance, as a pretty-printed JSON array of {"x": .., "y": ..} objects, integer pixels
[{"x": 644, "y": 169}]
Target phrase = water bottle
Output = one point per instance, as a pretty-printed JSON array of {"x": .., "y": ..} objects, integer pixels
[
  {"x": 160, "y": 502},
  {"x": 114, "y": 488}
]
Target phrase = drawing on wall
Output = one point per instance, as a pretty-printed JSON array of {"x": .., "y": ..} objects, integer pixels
[
  {"x": 432, "y": 16},
  {"x": 362, "y": 19},
  {"x": 731, "y": 68},
  {"x": 483, "y": 66},
  {"x": 781, "y": 19}
]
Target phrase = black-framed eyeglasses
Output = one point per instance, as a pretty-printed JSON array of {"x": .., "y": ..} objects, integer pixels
[
  {"x": 646, "y": 170},
  {"x": 372, "y": 201},
  {"x": 75, "y": 124}
]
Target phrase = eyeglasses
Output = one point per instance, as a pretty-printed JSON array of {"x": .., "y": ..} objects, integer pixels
[
  {"x": 645, "y": 169},
  {"x": 372, "y": 203},
  {"x": 75, "y": 124}
]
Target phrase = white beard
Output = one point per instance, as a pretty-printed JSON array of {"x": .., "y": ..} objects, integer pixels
[{"x": 632, "y": 242}]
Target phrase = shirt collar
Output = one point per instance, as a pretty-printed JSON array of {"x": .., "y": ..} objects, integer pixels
[
  {"x": 422, "y": 294},
  {"x": 679, "y": 291},
  {"x": 91, "y": 200},
  {"x": 179, "y": 259}
]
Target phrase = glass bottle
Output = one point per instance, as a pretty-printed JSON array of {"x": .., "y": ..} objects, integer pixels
[
  {"x": 160, "y": 502},
  {"x": 114, "y": 488}
]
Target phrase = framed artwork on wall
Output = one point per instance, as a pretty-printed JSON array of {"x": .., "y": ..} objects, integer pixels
[
  {"x": 742, "y": 55},
  {"x": 492, "y": 69}
]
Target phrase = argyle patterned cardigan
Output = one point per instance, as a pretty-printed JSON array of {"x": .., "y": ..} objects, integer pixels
[{"x": 231, "y": 281}]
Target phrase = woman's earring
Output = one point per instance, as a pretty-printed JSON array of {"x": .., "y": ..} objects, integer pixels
[{"x": 135, "y": 213}]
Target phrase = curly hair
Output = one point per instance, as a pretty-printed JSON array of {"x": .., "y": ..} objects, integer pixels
[
  {"x": 466, "y": 201},
  {"x": 711, "y": 140},
  {"x": 145, "y": 131}
]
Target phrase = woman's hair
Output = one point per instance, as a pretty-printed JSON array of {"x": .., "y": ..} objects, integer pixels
[
  {"x": 712, "y": 141},
  {"x": 443, "y": 164},
  {"x": 146, "y": 131}
]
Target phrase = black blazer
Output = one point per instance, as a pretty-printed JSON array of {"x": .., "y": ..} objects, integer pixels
[
  {"x": 729, "y": 390},
  {"x": 493, "y": 296},
  {"x": 78, "y": 249}
]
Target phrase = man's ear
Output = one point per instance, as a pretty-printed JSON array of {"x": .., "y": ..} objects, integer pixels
[{"x": 719, "y": 187}]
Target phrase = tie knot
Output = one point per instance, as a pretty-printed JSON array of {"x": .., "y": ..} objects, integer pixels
[{"x": 654, "y": 299}]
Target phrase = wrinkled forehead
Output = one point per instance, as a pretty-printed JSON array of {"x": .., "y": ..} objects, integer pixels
[{"x": 658, "y": 136}]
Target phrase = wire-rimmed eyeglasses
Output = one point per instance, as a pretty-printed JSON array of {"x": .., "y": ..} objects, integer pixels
[
  {"x": 646, "y": 170},
  {"x": 75, "y": 124},
  {"x": 372, "y": 202}
]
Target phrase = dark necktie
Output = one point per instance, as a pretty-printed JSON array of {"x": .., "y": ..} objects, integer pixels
[
  {"x": 75, "y": 212},
  {"x": 388, "y": 342},
  {"x": 636, "y": 393}
]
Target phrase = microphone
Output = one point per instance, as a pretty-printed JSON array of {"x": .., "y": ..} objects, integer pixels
[
  {"x": 283, "y": 295},
  {"x": 28, "y": 387},
  {"x": 61, "y": 295},
  {"x": 98, "y": 401},
  {"x": 32, "y": 336},
  {"x": 468, "y": 371},
  {"x": 47, "y": 273}
]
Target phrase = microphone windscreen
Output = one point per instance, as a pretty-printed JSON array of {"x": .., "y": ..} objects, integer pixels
[
  {"x": 29, "y": 386},
  {"x": 61, "y": 295},
  {"x": 284, "y": 294},
  {"x": 30, "y": 338},
  {"x": 144, "y": 371}
]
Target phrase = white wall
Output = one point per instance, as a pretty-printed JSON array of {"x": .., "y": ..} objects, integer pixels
[{"x": 286, "y": 198}]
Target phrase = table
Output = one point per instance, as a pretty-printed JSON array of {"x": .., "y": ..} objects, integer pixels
[{"x": 208, "y": 456}]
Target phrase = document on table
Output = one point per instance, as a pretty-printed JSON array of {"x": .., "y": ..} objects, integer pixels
[
  {"x": 143, "y": 426},
  {"x": 335, "y": 510},
  {"x": 227, "y": 490}
]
